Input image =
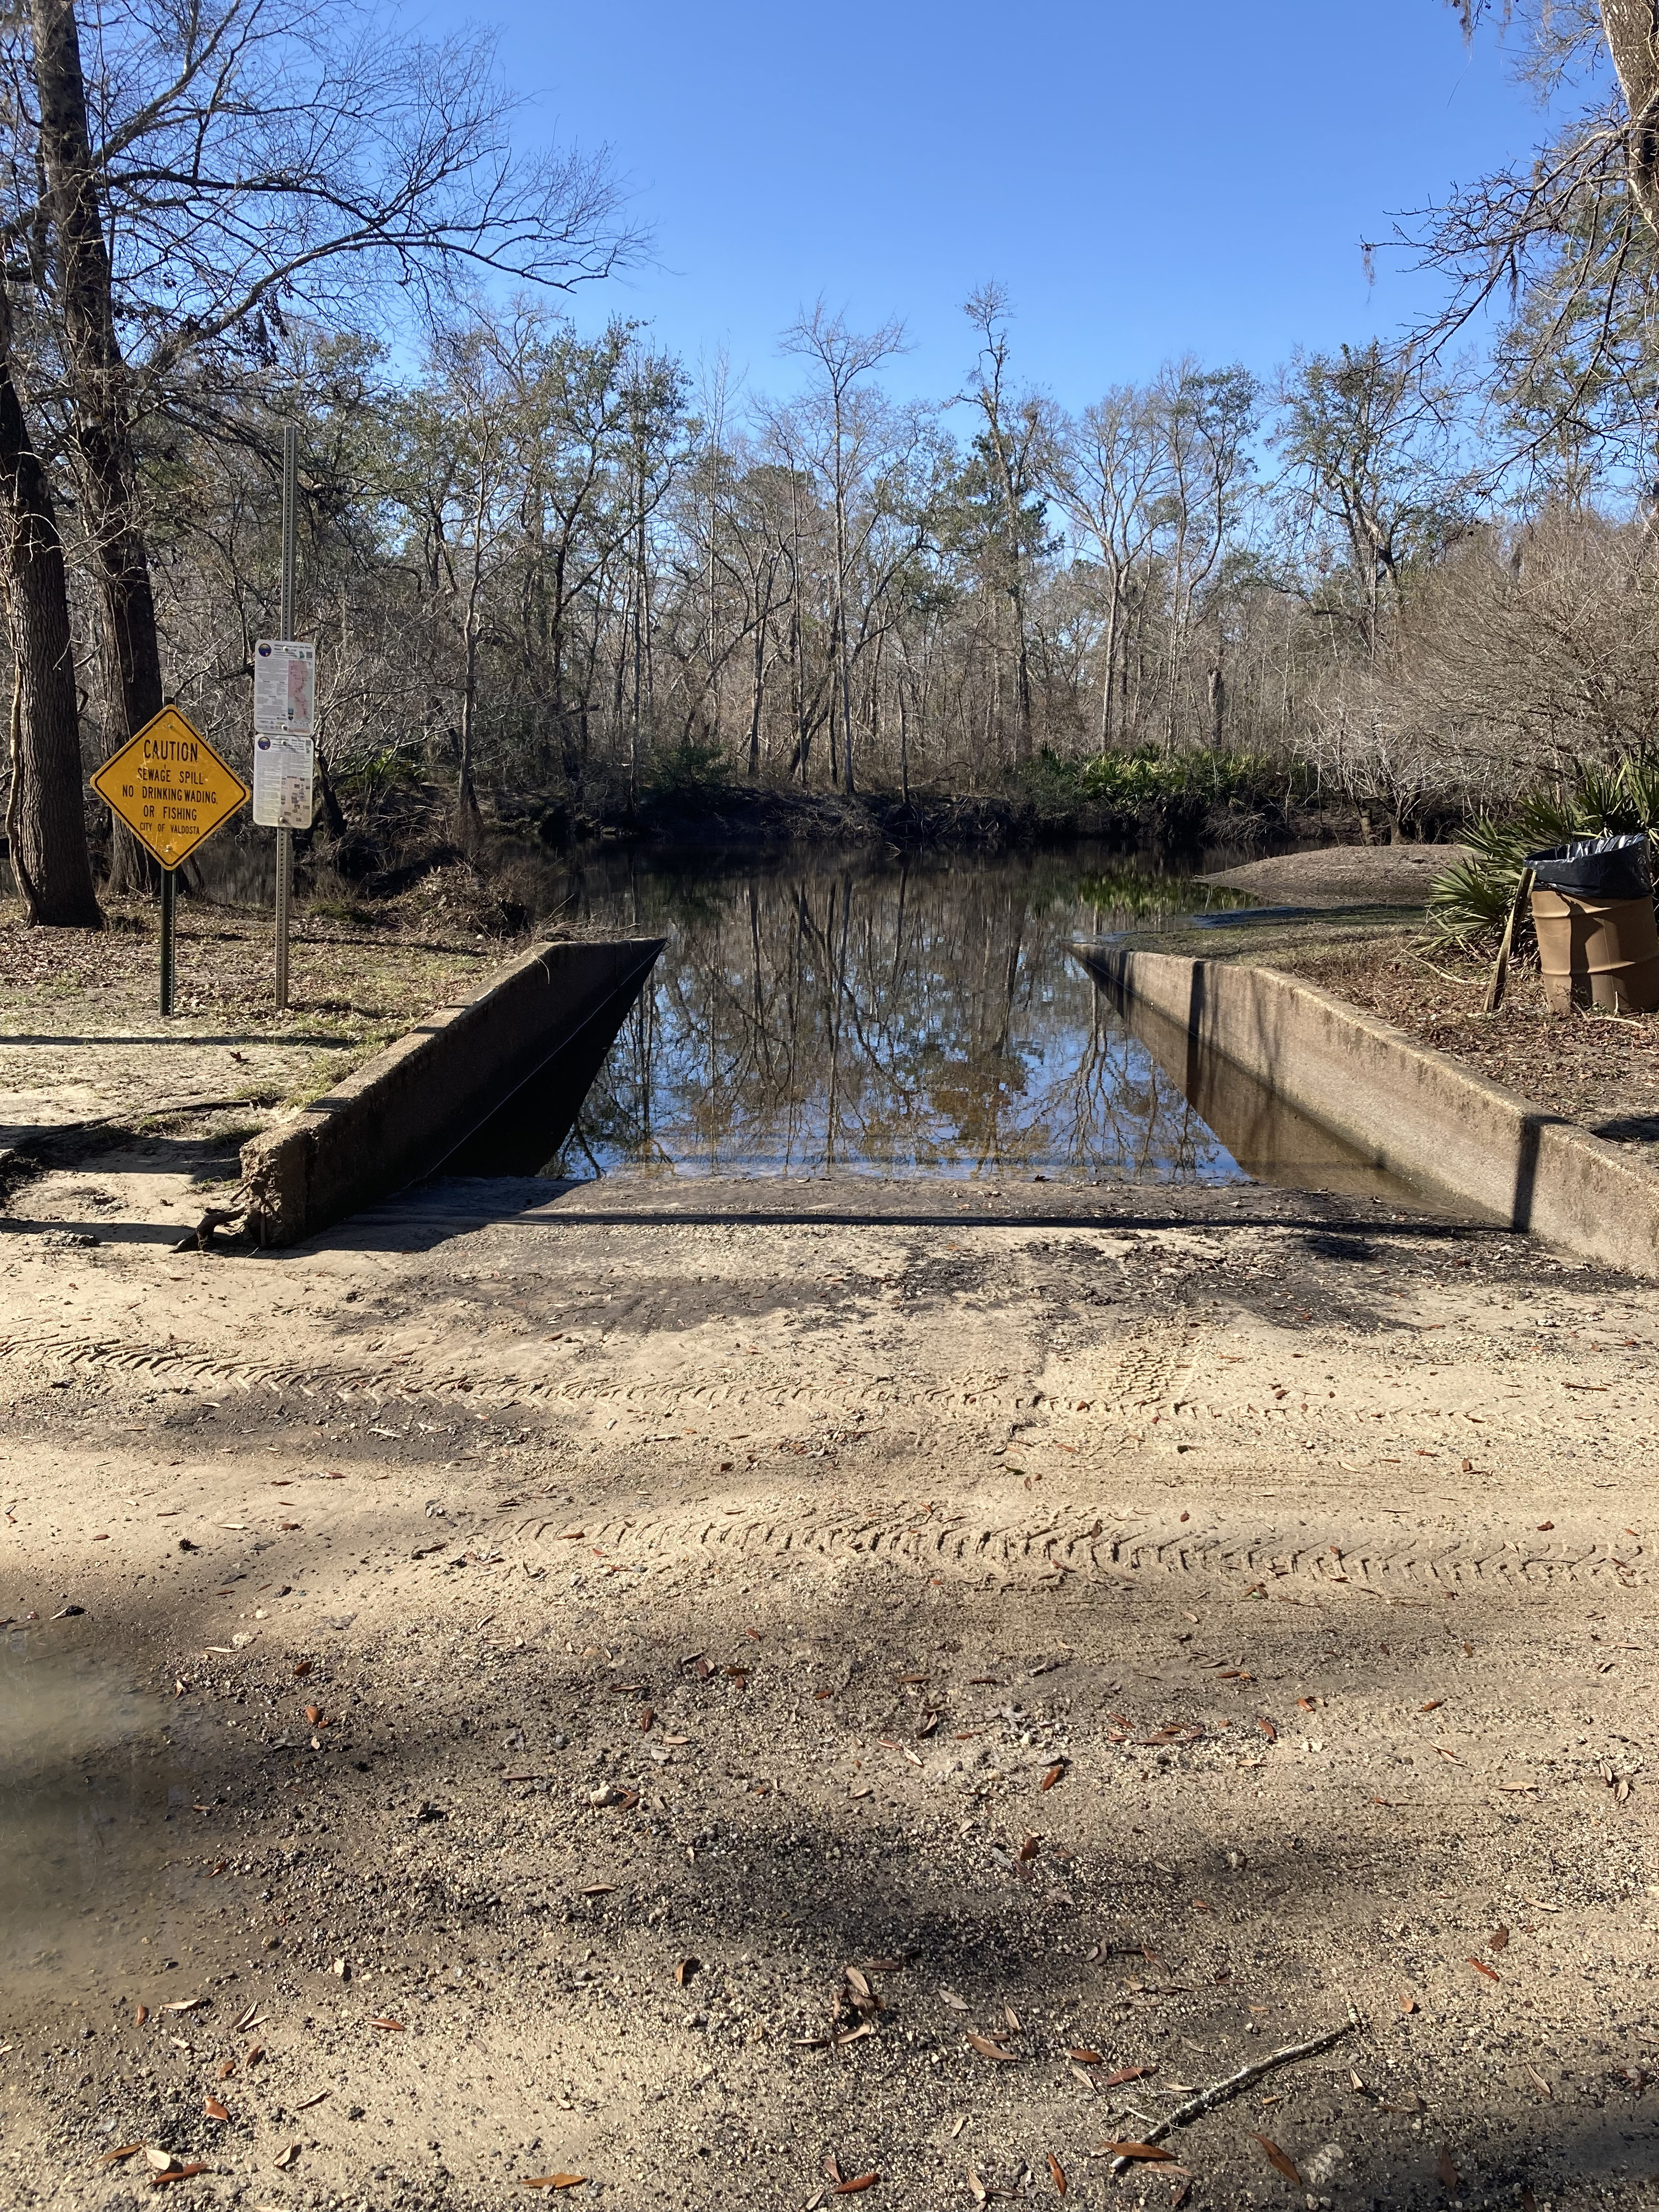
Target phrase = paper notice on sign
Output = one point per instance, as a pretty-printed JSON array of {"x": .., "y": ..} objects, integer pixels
[
  {"x": 284, "y": 772},
  {"x": 284, "y": 688}
]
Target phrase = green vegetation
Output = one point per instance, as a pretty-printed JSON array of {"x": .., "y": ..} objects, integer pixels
[{"x": 1474, "y": 897}]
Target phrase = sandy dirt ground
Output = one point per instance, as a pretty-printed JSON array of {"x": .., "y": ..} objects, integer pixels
[{"x": 745, "y": 1691}]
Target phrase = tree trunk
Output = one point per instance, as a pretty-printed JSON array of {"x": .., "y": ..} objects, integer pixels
[
  {"x": 99, "y": 397},
  {"x": 46, "y": 818},
  {"x": 1633, "y": 41}
]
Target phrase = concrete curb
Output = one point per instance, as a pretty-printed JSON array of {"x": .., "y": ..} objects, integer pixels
[
  {"x": 1405, "y": 1107},
  {"x": 406, "y": 1111}
]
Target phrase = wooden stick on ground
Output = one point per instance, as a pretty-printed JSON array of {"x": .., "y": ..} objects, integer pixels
[
  {"x": 1500, "y": 973},
  {"x": 1195, "y": 2107}
]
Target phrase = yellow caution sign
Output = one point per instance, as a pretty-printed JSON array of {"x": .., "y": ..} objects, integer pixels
[{"x": 170, "y": 788}]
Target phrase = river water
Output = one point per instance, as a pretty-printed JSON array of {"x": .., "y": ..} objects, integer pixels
[{"x": 894, "y": 1018}]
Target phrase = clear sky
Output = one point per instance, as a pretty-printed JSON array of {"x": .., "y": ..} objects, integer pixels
[{"x": 1145, "y": 177}]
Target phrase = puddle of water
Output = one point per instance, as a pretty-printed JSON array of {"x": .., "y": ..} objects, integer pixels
[{"x": 90, "y": 1770}]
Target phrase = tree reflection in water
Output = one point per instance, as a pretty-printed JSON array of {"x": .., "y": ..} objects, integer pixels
[{"x": 888, "y": 1018}]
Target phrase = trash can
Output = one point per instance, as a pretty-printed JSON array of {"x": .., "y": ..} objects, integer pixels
[{"x": 1592, "y": 907}]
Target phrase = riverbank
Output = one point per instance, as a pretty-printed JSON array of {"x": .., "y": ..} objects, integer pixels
[
  {"x": 88, "y": 1071},
  {"x": 730, "y": 1686}
]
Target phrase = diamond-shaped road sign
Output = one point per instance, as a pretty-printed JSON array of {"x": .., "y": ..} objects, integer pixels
[{"x": 170, "y": 788}]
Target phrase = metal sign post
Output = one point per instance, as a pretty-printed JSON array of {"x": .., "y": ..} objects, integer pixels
[
  {"x": 169, "y": 905},
  {"x": 285, "y": 837}
]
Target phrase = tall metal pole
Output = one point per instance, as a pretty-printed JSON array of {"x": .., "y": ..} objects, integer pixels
[
  {"x": 285, "y": 837},
  {"x": 169, "y": 912}
]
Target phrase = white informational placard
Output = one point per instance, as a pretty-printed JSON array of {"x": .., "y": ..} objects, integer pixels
[
  {"x": 284, "y": 773},
  {"x": 284, "y": 688}
]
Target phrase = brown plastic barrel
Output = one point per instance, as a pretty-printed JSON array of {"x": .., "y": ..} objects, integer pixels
[{"x": 1598, "y": 952}]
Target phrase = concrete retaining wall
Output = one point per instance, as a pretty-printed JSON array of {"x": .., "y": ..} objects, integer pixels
[
  {"x": 413, "y": 1106},
  {"x": 1410, "y": 1110}
]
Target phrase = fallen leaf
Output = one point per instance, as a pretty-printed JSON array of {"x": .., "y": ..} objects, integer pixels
[
  {"x": 227, "y": 2068},
  {"x": 1082, "y": 2056},
  {"x": 126, "y": 2150},
  {"x": 1279, "y": 2161},
  {"x": 1498, "y": 1939},
  {"x": 1057, "y": 2174},
  {"x": 1269, "y": 1730},
  {"x": 684, "y": 1971},
  {"x": 1449, "y": 2177},
  {"x": 1152, "y": 2153},
  {"x": 157, "y": 2159},
  {"x": 215, "y": 2110},
  {"x": 313, "y": 1714},
  {"x": 551, "y": 2180},
  {"x": 1012, "y": 2018},
  {"x": 852, "y": 2188},
  {"x": 140, "y": 2015},
  {"x": 987, "y": 2049},
  {"x": 1544, "y": 1524},
  {"x": 1183, "y": 2190},
  {"x": 177, "y": 2173},
  {"x": 286, "y": 2157},
  {"x": 1542, "y": 2086},
  {"x": 183, "y": 2004},
  {"x": 975, "y": 2187},
  {"x": 1408, "y": 2004},
  {"x": 599, "y": 1889},
  {"x": 1125, "y": 2073},
  {"x": 1056, "y": 1773},
  {"x": 646, "y": 1716},
  {"x": 1481, "y": 1967},
  {"x": 1028, "y": 1849},
  {"x": 1087, "y": 2080},
  {"x": 388, "y": 2024},
  {"x": 306, "y": 2103}
]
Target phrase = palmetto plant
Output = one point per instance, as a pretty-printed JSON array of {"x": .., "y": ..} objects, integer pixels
[{"x": 1475, "y": 896}]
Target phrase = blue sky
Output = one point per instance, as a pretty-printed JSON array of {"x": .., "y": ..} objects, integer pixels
[{"x": 1145, "y": 177}]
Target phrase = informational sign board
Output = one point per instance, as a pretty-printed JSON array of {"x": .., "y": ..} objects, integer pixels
[
  {"x": 284, "y": 688},
  {"x": 284, "y": 777},
  {"x": 170, "y": 788}
]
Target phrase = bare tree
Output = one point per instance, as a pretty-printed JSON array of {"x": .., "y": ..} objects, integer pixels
[
  {"x": 225, "y": 166},
  {"x": 850, "y": 420},
  {"x": 45, "y": 822}
]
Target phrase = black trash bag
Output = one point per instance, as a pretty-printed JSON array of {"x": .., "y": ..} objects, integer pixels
[{"x": 1596, "y": 867}]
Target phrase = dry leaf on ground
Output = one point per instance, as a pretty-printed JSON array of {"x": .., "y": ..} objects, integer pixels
[
  {"x": 1152, "y": 2153},
  {"x": 1057, "y": 2174},
  {"x": 860, "y": 2181},
  {"x": 987, "y": 2049},
  {"x": 1280, "y": 2162},
  {"x": 1450, "y": 2178},
  {"x": 214, "y": 2109}
]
